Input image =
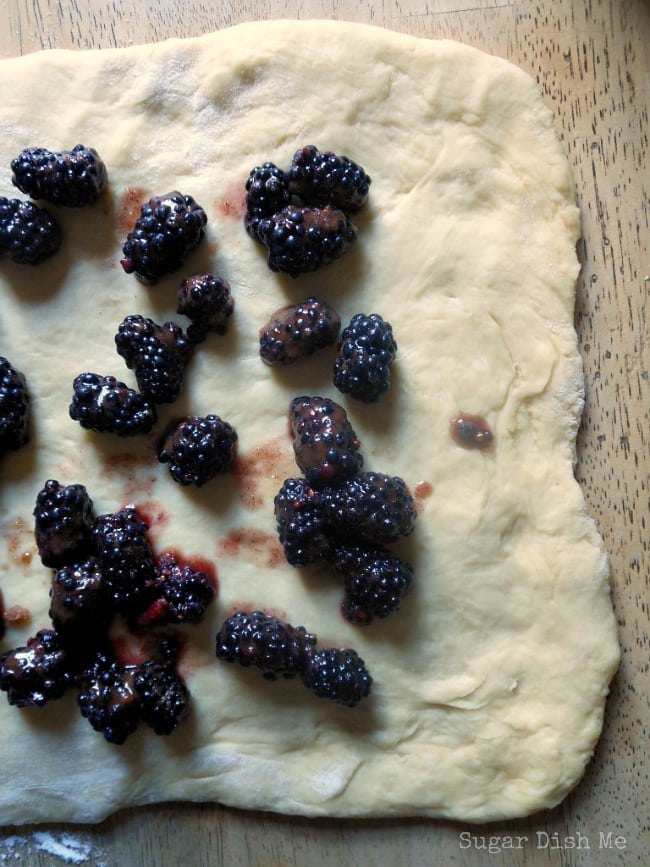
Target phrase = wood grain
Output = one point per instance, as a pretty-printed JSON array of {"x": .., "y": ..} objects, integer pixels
[{"x": 591, "y": 59}]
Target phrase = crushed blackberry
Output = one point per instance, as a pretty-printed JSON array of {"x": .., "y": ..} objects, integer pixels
[
  {"x": 162, "y": 695},
  {"x": 325, "y": 445},
  {"x": 104, "y": 404},
  {"x": 157, "y": 354},
  {"x": 300, "y": 521},
  {"x": 365, "y": 354},
  {"x": 371, "y": 507},
  {"x": 207, "y": 301},
  {"x": 14, "y": 408},
  {"x": 72, "y": 178},
  {"x": 28, "y": 234},
  {"x": 267, "y": 192},
  {"x": 63, "y": 519},
  {"x": 37, "y": 673},
  {"x": 374, "y": 580},
  {"x": 182, "y": 594},
  {"x": 319, "y": 177},
  {"x": 302, "y": 239},
  {"x": 258, "y": 640},
  {"x": 168, "y": 229},
  {"x": 337, "y": 674},
  {"x": 126, "y": 558},
  {"x": 198, "y": 448},
  {"x": 80, "y": 604},
  {"x": 296, "y": 331},
  {"x": 107, "y": 698}
]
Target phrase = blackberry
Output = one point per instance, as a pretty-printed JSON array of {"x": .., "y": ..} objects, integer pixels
[
  {"x": 374, "y": 581},
  {"x": 300, "y": 521},
  {"x": 183, "y": 594},
  {"x": 156, "y": 353},
  {"x": 107, "y": 698},
  {"x": 28, "y": 234},
  {"x": 198, "y": 448},
  {"x": 371, "y": 507},
  {"x": 365, "y": 354},
  {"x": 294, "y": 332},
  {"x": 325, "y": 445},
  {"x": 37, "y": 673},
  {"x": 208, "y": 302},
  {"x": 263, "y": 642},
  {"x": 79, "y": 600},
  {"x": 320, "y": 177},
  {"x": 168, "y": 229},
  {"x": 73, "y": 178},
  {"x": 162, "y": 695},
  {"x": 14, "y": 408},
  {"x": 126, "y": 558},
  {"x": 267, "y": 192},
  {"x": 63, "y": 519},
  {"x": 104, "y": 404},
  {"x": 337, "y": 674},
  {"x": 302, "y": 239}
]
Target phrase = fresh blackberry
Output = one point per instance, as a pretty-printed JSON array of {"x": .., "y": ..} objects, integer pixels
[
  {"x": 371, "y": 507},
  {"x": 103, "y": 403},
  {"x": 28, "y": 234},
  {"x": 325, "y": 445},
  {"x": 207, "y": 301},
  {"x": 321, "y": 177},
  {"x": 337, "y": 674},
  {"x": 183, "y": 594},
  {"x": 126, "y": 558},
  {"x": 14, "y": 408},
  {"x": 73, "y": 178},
  {"x": 300, "y": 521},
  {"x": 296, "y": 331},
  {"x": 302, "y": 239},
  {"x": 267, "y": 193},
  {"x": 107, "y": 698},
  {"x": 63, "y": 519},
  {"x": 168, "y": 229},
  {"x": 157, "y": 354},
  {"x": 162, "y": 695},
  {"x": 263, "y": 642},
  {"x": 365, "y": 354},
  {"x": 79, "y": 600},
  {"x": 37, "y": 673},
  {"x": 198, "y": 448},
  {"x": 374, "y": 581}
]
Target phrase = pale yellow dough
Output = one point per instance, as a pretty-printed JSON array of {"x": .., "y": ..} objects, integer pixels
[{"x": 490, "y": 682}]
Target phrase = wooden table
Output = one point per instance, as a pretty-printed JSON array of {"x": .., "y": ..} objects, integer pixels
[{"x": 592, "y": 61}]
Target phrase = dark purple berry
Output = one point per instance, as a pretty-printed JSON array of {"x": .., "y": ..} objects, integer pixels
[
  {"x": 267, "y": 193},
  {"x": 80, "y": 602},
  {"x": 321, "y": 177},
  {"x": 63, "y": 519},
  {"x": 182, "y": 594},
  {"x": 73, "y": 178},
  {"x": 104, "y": 404},
  {"x": 324, "y": 443},
  {"x": 127, "y": 561},
  {"x": 374, "y": 581},
  {"x": 372, "y": 507},
  {"x": 296, "y": 331},
  {"x": 337, "y": 674},
  {"x": 198, "y": 448},
  {"x": 37, "y": 673},
  {"x": 162, "y": 695},
  {"x": 207, "y": 301},
  {"x": 14, "y": 408},
  {"x": 365, "y": 355},
  {"x": 107, "y": 698},
  {"x": 28, "y": 234},
  {"x": 300, "y": 520}
]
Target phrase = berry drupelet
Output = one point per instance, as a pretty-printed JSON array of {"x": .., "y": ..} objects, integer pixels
[
  {"x": 325, "y": 445},
  {"x": 300, "y": 521},
  {"x": 337, "y": 674},
  {"x": 37, "y": 673},
  {"x": 182, "y": 594},
  {"x": 72, "y": 178},
  {"x": 28, "y": 234},
  {"x": 80, "y": 603},
  {"x": 365, "y": 354},
  {"x": 107, "y": 698},
  {"x": 258, "y": 640},
  {"x": 63, "y": 520},
  {"x": 267, "y": 192},
  {"x": 319, "y": 177},
  {"x": 371, "y": 507},
  {"x": 126, "y": 558},
  {"x": 207, "y": 301},
  {"x": 294, "y": 332},
  {"x": 374, "y": 581},
  {"x": 104, "y": 404},
  {"x": 198, "y": 448},
  {"x": 156, "y": 353},
  {"x": 14, "y": 408},
  {"x": 162, "y": 696},
  {"x": 168, "y": 229}
]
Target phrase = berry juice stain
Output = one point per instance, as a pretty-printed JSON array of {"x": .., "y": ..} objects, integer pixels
[
  {"x": 254, "y": 546},
  {"x": 421, "y": 493},
  {"x": 471, "y": 432},
  {"x": 129, "y": 210}
]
